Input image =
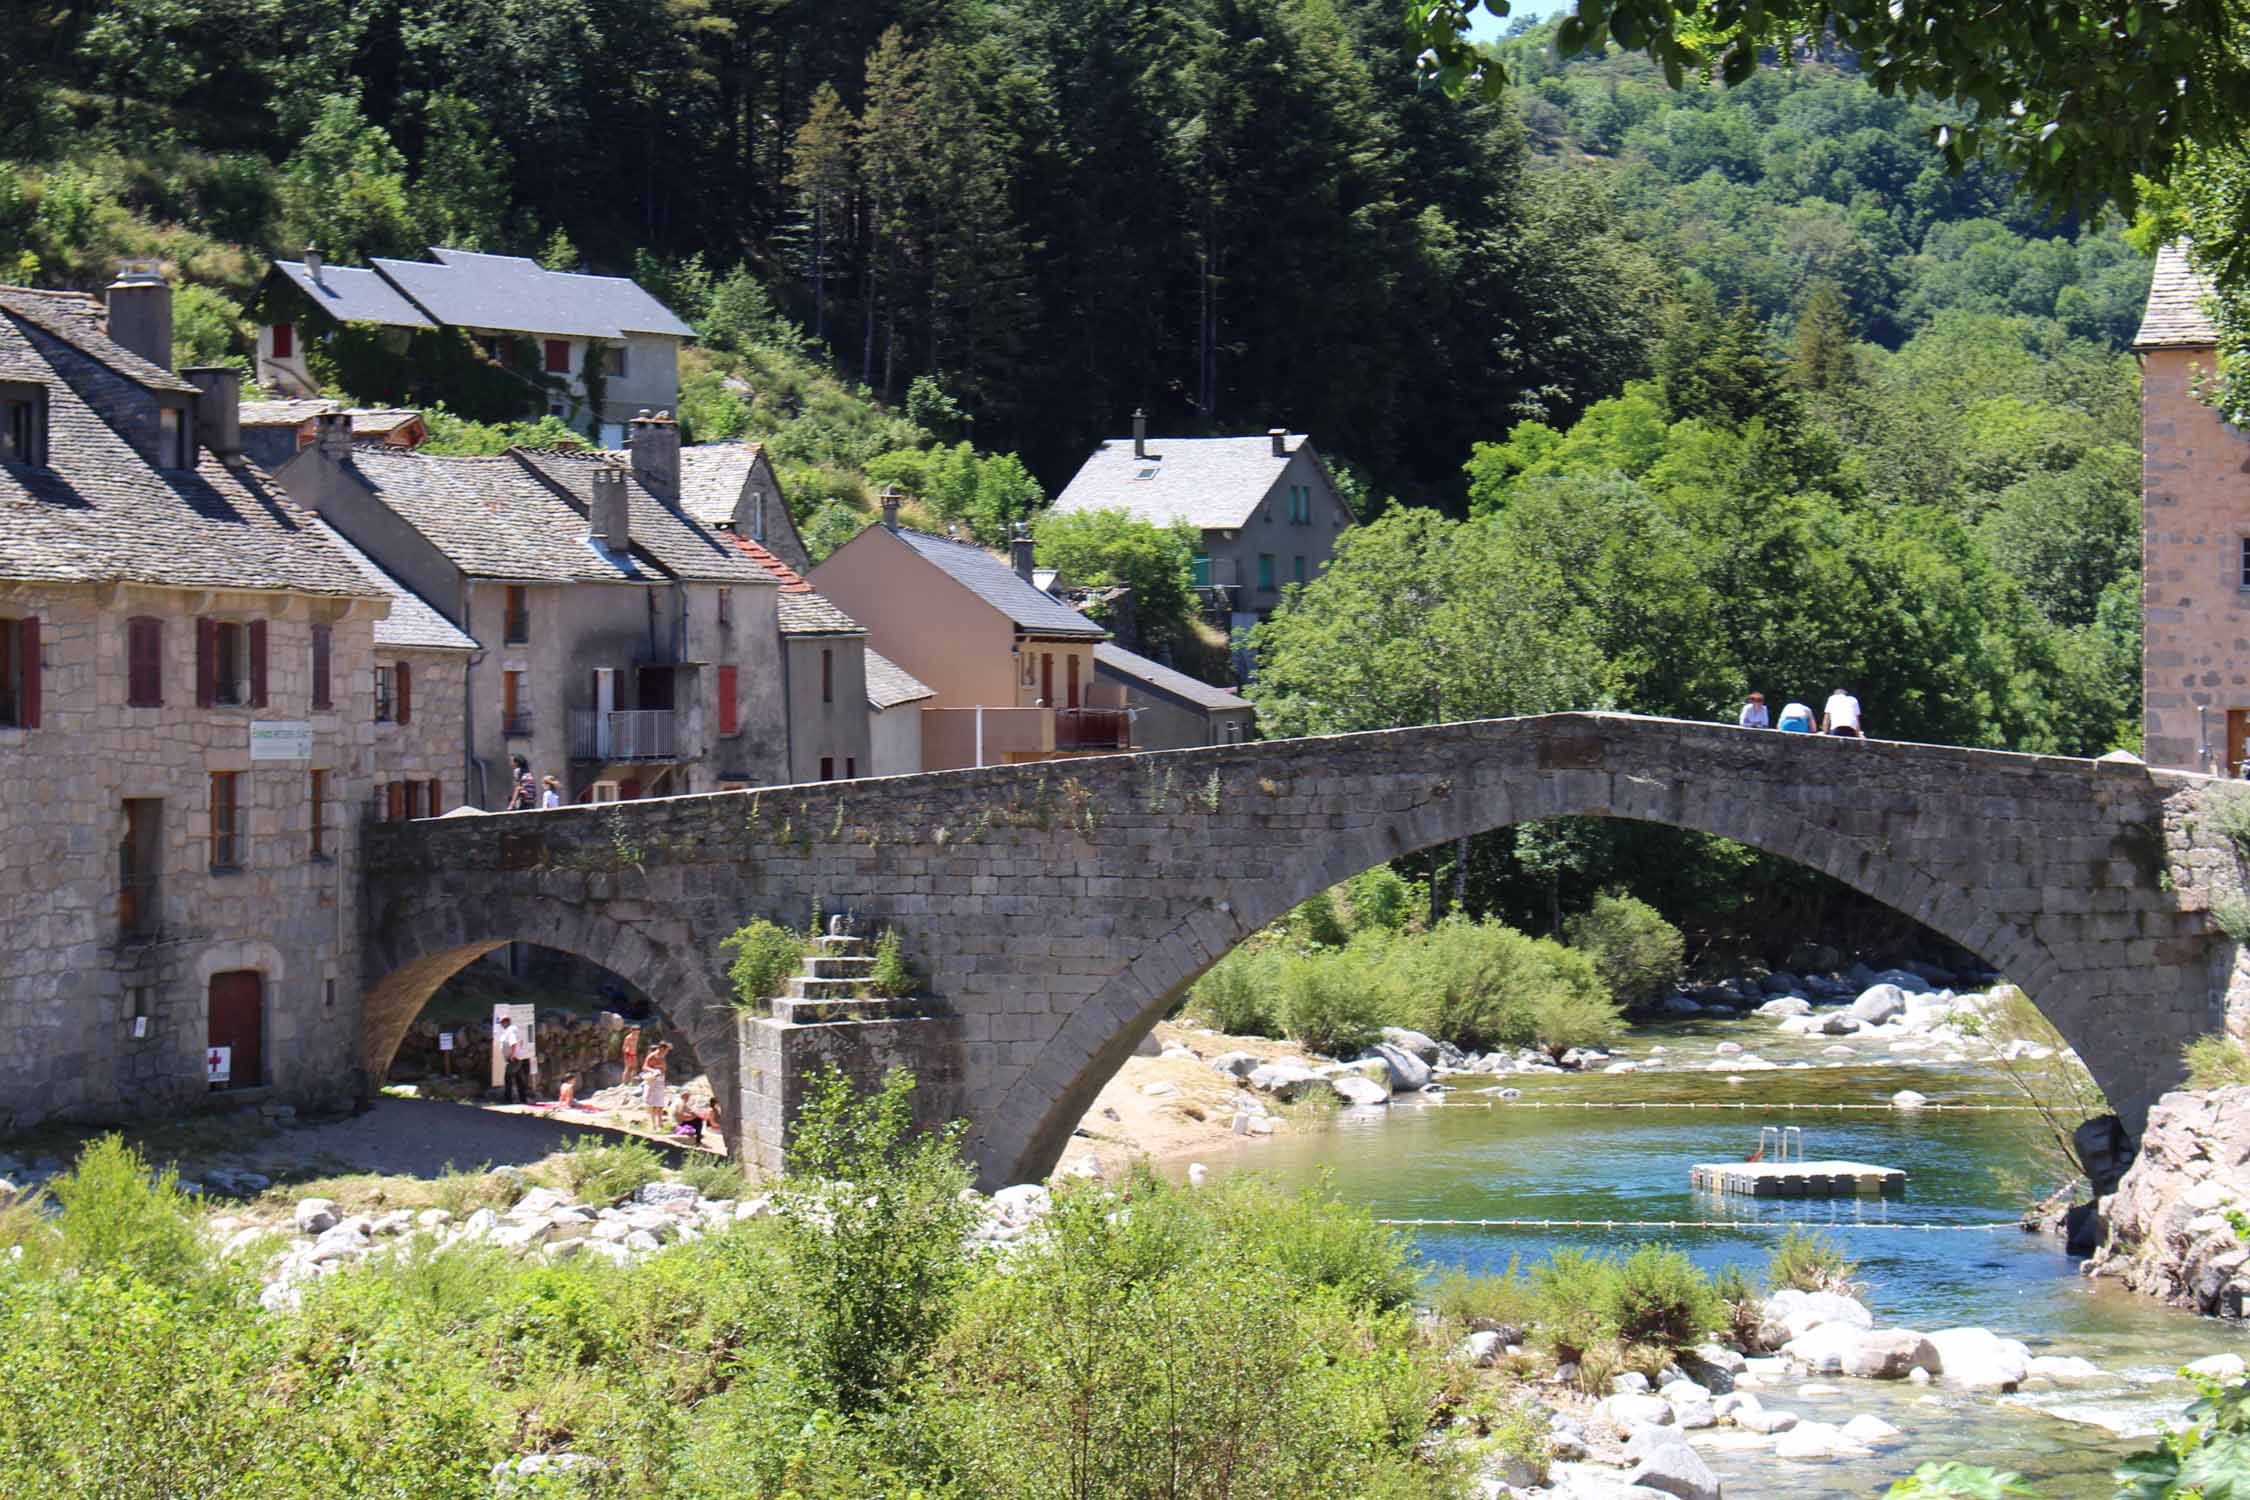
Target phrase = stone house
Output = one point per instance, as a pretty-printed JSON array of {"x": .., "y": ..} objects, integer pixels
[
  {"x": 625, "y": 648},
  {"x": 1171, "y": 710},
  {"x": 1009, "y": 668},
  {"x": 1266, "y": 508},
  {"x": 2195, "y": 538},
  {"x": 273, "y": 431},
  {"x": 733, "y": 485},
  {"x": 185, "y": 744},
  {"x": 605, "y": 348}
]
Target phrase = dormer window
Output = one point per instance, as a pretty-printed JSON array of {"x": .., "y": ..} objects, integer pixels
[
  {"x": 23, "y": 422},
  {"x": 175, "y": 438}
]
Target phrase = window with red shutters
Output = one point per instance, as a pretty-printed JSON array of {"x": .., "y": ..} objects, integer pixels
[
  {"x": 730, "y": 718},
  {"x": 558, "y": 356},
  {"x": 257, "y": 663},
  {"x": 206, "y": 662},
  {"x": 144, "y": 662},
  {"x": 398, "y": 801},
  {"x": 284, "y": 341},
  {"x": 405, "y": 691},
  {"x": 323, "y": 652}
]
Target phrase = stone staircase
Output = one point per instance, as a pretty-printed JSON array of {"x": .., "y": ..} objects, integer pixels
[{"x": 832, "y": 987}]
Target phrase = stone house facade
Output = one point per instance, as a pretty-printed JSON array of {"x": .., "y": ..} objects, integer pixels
[
  {"x": 2195, "y": 538},
  {"x": 184, "y": 743}
]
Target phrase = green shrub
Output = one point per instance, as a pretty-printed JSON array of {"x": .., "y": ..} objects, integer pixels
[
  {"x": 1635, "y": 951},
  {"x": 1659, "y": 1299},
  {"x": 1745, "y": 1305},
  {"x": 765, "y": 955},
  {"x": 1952, "y": 1480},
  {"x": 1474, "y": 1302},
  {"x": 2216, "y": 1062},
  {"x": 1318, "y": 1242},
  {"x": 1522, "y": 1431},
  {"x": 1383, "y": 898},
  {"x": 831, "y": 525},
  {"x": 118, "y": 1216},
  {"x": 1808, "y": 1261},
  {"x": 1573, "y": 1302},
  {"x": 891, "y": 975},
  {"x": 1572, "y": 1010},
  {"x": 607, "y": 1170},
  {"x": 1337, "y": 1001},
  {"x": 1314, "y": 922},
  {"x": 715, "y": 1178},
  {"x": 1239, "y": 995},
  {"x": 462, "y": 1193},
  {"x": 1460, "y": 982}
]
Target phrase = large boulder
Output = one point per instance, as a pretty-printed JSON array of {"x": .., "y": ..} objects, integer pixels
[
  {"x": 1839, "y": 1023},
  {"x": 1878, "y": 1004},
  {"x": 1287, "y": 1078},
  {"x": 1236, "y": 1064},
  {"x": 1787, "y": 1005},
  {"x": 1825, "y": 1348},
  {"x": 1628, "y": 1411},
  {"x": 315, "y": 1215},
  {"x": 1980, "y": 1359},
  {"x": 1869, "y": 1430},
  {"x": 1358, "y": 1090},
  {"x": 1781, "y": 982},
  {"x": 1788, "y": 1313},
  {"x": 1813, "y": 956},
  {"x": 1890, "y": 1354},
  {"x": 1713, "y": 1366},
  {"x": 1817, "y": 1440},
  {"x": 1676, "y": 1469},
  {"x": 1484, "y": 1349},
  {"x": 1408, "y": 1072},
  {"x": 1425, "y": 1048}
]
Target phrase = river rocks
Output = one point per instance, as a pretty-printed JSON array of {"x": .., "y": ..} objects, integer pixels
[
  {"x": 1628, "y": 1411},
  {"x": 1823, "y": 1348},
  {"x": 1713, "y": 1366},
  {"x": 1908, "y": 1099},
  {"x": 1878, "y": 1004},
  {"x": 1808, "y": 1440},
  {"x": 657, "y": 1194},
  {"x": 1413, "y": 1042},
  {"x": 1788, "y": 1313},
  {"x": 1148, "y": 1046},
  {"x": 1287, "y": 1078},
  {"x": 1235, "y": 1064},
  {"x": 1889, "y": 1354},
  {"x": 1980, "y": 1359},
  {"x": 1631, "y": 1383},
  {"x": 1764, "y": 1419},
  {"x": 1407, "y": 1071},
  {"x": 2063, "y": 1367},
  {"x": 2218, "y": 1367},
  {"x": 1484, "y": 1349},
  {"x": 1024, "y": 1203},
  {"x": 1677, "y": 1470},
  {"x": 1839, "y": 1023},
  {"x": 1781, "y": 982},
  {"x": 1870, "y": 1430},
  {"x": 2168, "y": 1235},
  {"x": 1679, "y": 1005},
  {"x": 1677, "y": 1391},
  {"x": 1358, "y": 1090},
  {"x": 1787, "y": 1005},
  {"x": 315, "y": 1215},
  {"x": 1694, "y": 1415}
]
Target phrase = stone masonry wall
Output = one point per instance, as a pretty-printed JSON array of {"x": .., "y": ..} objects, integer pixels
[
  {"x": 1059, "y": 909},
  {"x": 2195, "y": 610}
]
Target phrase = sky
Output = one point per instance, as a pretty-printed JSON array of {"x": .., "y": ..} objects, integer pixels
[{"x": 1486, "y": 27}]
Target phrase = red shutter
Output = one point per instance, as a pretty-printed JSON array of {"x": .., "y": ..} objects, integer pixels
[
  {"x": 257, "y": 664},
  {"x": 206, "y": 662},
  {"x": 558, "y": 356},
  {"x": 144, "y": 662},
  {"x": 322, "y": 695},
  {"x": 27, "y": 635},
  {"x": 398, "y": 801},
  {"x": 436, "y": 806},
  {"x": 729, "y": 718},
  {"x": 404, "y": 692},
  {"x": 284, "y": 341}
]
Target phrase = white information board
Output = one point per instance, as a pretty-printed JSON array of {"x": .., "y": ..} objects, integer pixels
[{"x": 281, "y": 739}]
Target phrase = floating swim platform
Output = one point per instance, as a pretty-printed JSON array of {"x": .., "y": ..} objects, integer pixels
[{"x": 1797, "y": 1179}]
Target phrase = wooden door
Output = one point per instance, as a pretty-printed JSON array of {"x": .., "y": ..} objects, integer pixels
[
  {"x": 1047, "y": 678},
  {"x": 1071, "y": 662},
  {"x": 238, "y": 1021}
]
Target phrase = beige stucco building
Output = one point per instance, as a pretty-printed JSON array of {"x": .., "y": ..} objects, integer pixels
[
  {"x": 185, "y": 737},
  {"x": 2195, "y": 538}
]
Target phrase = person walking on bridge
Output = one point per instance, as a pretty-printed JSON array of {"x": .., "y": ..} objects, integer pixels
[
  {"x": 1754, "y": 713},
  {"x": 1841, "y": 717}
]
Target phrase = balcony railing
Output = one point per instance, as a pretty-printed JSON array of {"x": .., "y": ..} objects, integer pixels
[
  {"x": 516, "y": 726},
  {"x": 637, "y": 734},
  {"x": 1093, "y": 729}
]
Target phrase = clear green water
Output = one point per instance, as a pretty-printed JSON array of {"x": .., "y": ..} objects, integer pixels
[{"x": 1469, "y": 1161}]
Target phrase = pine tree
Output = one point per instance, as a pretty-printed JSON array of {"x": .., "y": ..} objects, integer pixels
[
  {"x": 823, "y": 170},
  {"x": 1820, "y": 357},
  {"x": 892, "y": 168}
]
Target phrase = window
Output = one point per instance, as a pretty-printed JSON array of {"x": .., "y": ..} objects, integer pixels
[
  {"x": 19, "y": 673},
  {"x": 827, "y": 676},
  {"x": 2246, "y": 562},
  {"x": 1300, "y": 570},
  {"x": 284, "y": 341},
  {"x": 730, "y": 711},
  {"x": 516, "y": 625},
  {"x": 144, "y": 662},
  {"x": 558, "y": 356},
  {"x": 1265, "y": 572},
  {"x": 323, "y": 653},
  {"x": 226, "y": 820},
  {"x": 230, "y": 663},
  {"x": 23, "y": 422},
  {"x": 382, "y": 695},
  {"x": 175, "y": 438},
  {"x": 828, "y": 768},
  {"x": 613, "y": 361},
  {"x": 137, "y": 855},
  {"x": 515, "y": 705},
  {"x": 317, "y": 792},
  {"x": 726, "y": 603},
  {"x": 851, "y": 766}
]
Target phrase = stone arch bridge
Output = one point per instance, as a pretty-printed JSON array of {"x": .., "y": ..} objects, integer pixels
[{"x": 1059, "y": 909}]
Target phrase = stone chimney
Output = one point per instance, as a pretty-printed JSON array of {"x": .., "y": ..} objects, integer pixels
[
  {"x": 1280, "y": 436},
  {"x": 890, "y": 507},
  {"x": 333, "y": 434},
  {"x": 1019, "y": 552},
  {"x": 140, "y": 311},
  {"x": 218, "y": 410},
  {"x": 312, "y": 264},
  {"x": 1140, "y": 434},
  {"x": 611, "y": 513},
  {"x": 654, "y": 443}
]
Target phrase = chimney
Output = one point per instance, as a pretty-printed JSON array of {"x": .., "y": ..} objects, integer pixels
[
  {"x": 333, "y": 434},
  {"x": 890, "y": 507},
  {"x": 218, "y": 409},
  {"x": 654, "y": 443},
  {"x": 1019, "y": 551},
  {"x": 312, "y": 263},
  {"x": 1140, "y": 434},
  {"x": 610, "y": 514},
  {"x": 1280, "y": 436},
  {"x": 140, "y": 311}
]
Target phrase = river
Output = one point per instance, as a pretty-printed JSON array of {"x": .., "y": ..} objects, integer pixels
[{"x": 1542, "y": 1157}]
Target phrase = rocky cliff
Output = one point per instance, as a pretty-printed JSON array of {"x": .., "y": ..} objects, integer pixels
[{"x": 2168, "y": 1232}]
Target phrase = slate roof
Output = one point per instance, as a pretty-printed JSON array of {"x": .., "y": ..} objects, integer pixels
[
  {"x": 996, "y": 584},
  {"x": 677, "y": 543},
  {"x": 491, "y": 516},
  {"x": 1162, "y": 680},
  {"x": 889, "y": 684},
  {"x": 99, "y": 512},
  {"x": 802, "y": 609},
  {"x": 712, "y": 476},
  {"x": 284, "y": 413},
  {"x": 2176, "y": 317},
  {"x": 473, "y": 290},
  {"x": 350, "y": 295},
  {"x": 376, "y": 421},
  {"x": 1210, "y": 483},
  {"x": 412, "y": 624}
]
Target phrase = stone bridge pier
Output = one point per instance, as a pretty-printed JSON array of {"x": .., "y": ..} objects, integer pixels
[{"x": 1058, "y": 910}]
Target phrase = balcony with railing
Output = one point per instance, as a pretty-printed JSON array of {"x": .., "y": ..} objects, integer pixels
[
  {"x": 1093, "y": 729},
  {"x": 517, "y": 726},
  {"x": 627, "y": 734}
]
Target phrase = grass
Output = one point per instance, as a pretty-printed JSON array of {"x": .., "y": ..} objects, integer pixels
[
  {"x": 605, "y": 1170},
  {"x": 2216, "y": 1062},
  {"x": 1475, "y": 1303}
]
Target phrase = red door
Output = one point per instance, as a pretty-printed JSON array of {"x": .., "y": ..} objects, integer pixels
[
  {"x": 1072, "y": 663},
  {"x": 1047, "y": 678},
  {"x": 237, "y": 1022}
]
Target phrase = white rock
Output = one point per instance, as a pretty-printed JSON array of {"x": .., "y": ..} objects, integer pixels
[
  {"x": 1178, "y": 1053},
  {"x": 1677, "y": 1470},
  {"x": 1695, "y": 1414},
  {"x": 1727, "y": 1407},
  {"x": 1235, "y": 1064},
  {"x": 1817, "y": 1440},
  {"x": 315, "y": 1215},
  {"x": 1891, "y": 1354},
  {"x": 1787, "y": 1005},
  {"x": 1908, "y": 1098},
  {"x": 1484, "y": 1349},
  {"x": 1727, "y": 1049},
  {"x": 1287, "y": 1079},
  {"x": 1878, "y": 1003},
  {"x": 1839, "y": 1023},
  {"x": 641, "y": 1242},
  {"x": 1630, "y": 1410},
  {"x": 1825, "y": 1347},
  {"x": 1677, "y": 1391},
  {"x": 2063, "y": 1367},
  {"x": 1157, "y": 1090},
  {"x": 2217, "y": 1367},
  {"x": 1870, "y": 1430},
  {"x": 660, "y": 1193},
  {"x": 1980, "y": 1359},
  {"x": 1413, "y": 1042},
  {"x": 1198, "y": 1174},
  {"x": 1765, "y": 1419},
  {"x": 1360, "y": 1091},
  {"x": 1631, "y": 1383},
  {"x": 1813, "y": 1389},
  {"x": 1788, "y": 1313},
  {"x": 1023, "y": 1203},
  {"x": 1407, "y": 1071}
]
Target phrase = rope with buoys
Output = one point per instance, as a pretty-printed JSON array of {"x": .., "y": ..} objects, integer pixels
[{"x": 1686, "y": 1224}]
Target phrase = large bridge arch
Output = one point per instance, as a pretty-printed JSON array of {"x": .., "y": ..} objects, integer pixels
[{"x": 1058, "y": 908}]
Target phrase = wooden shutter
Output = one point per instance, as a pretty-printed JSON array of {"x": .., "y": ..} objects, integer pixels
[
  {"x": 398, "y": 801},
  {"x": 144, "y": 662},
  {"x": 323, "y": 695},
  {"x": 403, "y": 691},
  {"x": 729, "y": 717},
  {"x": 206, "y": 662},
  {"x": 436, "y": 806},
  {"x": 257, "y": 664},
  {"x": 284, "y": 341},
  {"x": 27, "y": 641}
]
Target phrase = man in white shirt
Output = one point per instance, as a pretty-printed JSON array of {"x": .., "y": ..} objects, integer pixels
[
  {"x": 1841, "y": 717},
  {"x": 515, "y": 1056}
]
